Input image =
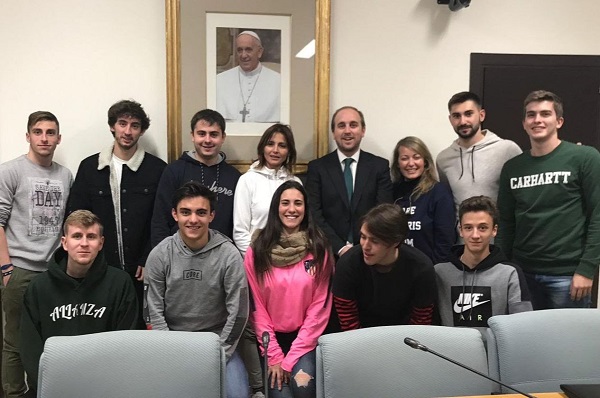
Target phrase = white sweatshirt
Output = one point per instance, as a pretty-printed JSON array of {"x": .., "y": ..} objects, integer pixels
[{"x": 252, "y": 199}]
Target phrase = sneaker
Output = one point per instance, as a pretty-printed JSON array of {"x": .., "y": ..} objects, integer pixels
[{"x": 258, "y": 394}]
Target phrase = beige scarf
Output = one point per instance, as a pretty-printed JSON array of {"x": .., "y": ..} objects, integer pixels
[{"x": 290, "y": 249}]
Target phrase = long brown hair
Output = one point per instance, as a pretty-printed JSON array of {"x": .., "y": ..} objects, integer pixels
[
  {"x": 318, "y": 245},
  {"x": 286, "y": 131}
]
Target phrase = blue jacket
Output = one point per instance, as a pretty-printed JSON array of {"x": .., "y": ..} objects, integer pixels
[
  {"x": 221, "y": 178},
  {"x": 431, "y": 218}
]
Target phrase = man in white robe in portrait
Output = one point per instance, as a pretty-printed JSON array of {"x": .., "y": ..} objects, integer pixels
[{"x": 250, "y": 92}]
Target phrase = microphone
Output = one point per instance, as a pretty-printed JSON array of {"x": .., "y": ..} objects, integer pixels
[
  {"x": 265, "y": 343},
  {"x": 412, "y": 343},
  {"x": 265, "y": 340}
]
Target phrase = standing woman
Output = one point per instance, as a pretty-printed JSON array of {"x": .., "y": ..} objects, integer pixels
[
  {"x": 276, "y": 157},
  {"x": 289, "y": 267},
  {"x": 428, "y": 203}
]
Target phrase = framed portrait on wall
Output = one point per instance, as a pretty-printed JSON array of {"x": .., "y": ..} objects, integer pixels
[
  {"x": 202, "y": 46},
  {"x": 248, "y": 70}
]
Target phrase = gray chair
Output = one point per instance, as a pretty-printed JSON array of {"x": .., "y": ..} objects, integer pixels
[
  {"x": 375, "y": 362},
  {"x": 133, "y": 363},
  {"x": 537, "y": 351}
]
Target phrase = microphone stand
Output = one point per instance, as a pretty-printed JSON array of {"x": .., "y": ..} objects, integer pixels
[
  {"x": 418, "y": 346},
  {"x": 265, "y": 343}
]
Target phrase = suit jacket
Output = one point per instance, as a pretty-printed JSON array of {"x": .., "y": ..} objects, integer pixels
[{"x": 328, "y": 200}]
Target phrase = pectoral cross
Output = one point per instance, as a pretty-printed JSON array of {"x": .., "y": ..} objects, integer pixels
[{"x": 244, "y": 112}]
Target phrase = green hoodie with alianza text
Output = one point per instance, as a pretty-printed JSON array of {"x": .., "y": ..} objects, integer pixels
[{"x": 57, "y": 305}]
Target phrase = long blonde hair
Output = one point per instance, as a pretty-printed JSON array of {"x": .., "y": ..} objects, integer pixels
[{"x": 429, "y": 176}]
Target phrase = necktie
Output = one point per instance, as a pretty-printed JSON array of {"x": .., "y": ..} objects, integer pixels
[
  {"x": 349, "y": 188},
  {"x": 348, "y": 178}
]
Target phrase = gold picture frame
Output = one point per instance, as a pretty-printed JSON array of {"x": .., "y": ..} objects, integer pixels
[{"x": 177, "y": 45}]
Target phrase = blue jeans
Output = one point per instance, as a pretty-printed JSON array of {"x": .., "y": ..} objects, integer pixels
[
  {"x": 550, "y": 291},
  {"x": 305, "y": 367},
  {"x": 236, "y": 378}
]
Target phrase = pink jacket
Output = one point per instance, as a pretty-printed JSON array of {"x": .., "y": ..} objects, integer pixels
[{"x": 289, "y": 299}]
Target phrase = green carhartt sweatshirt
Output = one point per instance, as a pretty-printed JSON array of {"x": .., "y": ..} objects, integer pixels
[{"x": 550, "y": 211}]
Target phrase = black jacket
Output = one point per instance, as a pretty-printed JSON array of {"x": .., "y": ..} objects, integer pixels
[
  {"x": 328, "y": 200},
  {"x": 91, "y": 191}
]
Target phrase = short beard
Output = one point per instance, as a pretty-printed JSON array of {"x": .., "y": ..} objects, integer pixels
[{"x": 468, "y": 135}]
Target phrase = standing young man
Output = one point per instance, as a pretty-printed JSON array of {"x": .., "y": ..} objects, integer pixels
[
  {"x": 80, "y": 293},
  {"x": 346, "y": 183},
  {"x": 472, "y": 164},
  {"x": 383, "y": 281},
  {"x": 549, "y": 205},
  {"x": 205, "y": 164},
  {"x": 196, "y": 280},
  {"x": 478, "y": 283},
  {"x": 119, "y": 185},
  {"x": 33, "y": 196}
]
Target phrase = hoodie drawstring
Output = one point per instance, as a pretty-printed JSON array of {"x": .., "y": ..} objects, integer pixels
[
  {"x": 462, "y": 167},
  {"x": 473, "y": 163},
  {"x": 464, "y": 275}
]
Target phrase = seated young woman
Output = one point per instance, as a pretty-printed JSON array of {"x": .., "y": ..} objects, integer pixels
[{"x": 289, "y": 266}]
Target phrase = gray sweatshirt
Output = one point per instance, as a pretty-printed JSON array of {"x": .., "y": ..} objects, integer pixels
[
  {"x": 32, "y": 207},
  {"x": 475, "y": 170},
  {"x": 469, "y": 297},
  {"x": 204, "y": 290}
]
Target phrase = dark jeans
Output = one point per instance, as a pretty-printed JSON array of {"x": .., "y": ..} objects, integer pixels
[
  {"x": 13, "y": 375},
  {"x": 550, "y": 291},
  {"x": 302, "y": 378},
  {"x": 248, "y": 349}
]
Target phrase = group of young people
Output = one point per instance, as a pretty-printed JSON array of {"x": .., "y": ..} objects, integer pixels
[{"x": 252, "y": 257}]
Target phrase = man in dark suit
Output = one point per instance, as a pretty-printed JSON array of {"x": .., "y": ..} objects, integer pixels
[{"x": 348, "y": 182}]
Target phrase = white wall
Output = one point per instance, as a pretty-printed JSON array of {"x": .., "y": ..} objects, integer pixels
[
  {"x": 75, "y": 59},
  {"x": 397, "y": 60},
  {"x": 401, "y": 60}
]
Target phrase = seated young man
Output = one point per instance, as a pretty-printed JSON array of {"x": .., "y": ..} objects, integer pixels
[
  {"x": 383, "y": 281},
  {"x": 79, "y": 294},
  {"x": 196, "y": 281},
  {"x": 478, "y": 282}
]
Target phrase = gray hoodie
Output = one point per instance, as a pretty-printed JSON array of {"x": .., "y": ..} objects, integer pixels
[
  {"x": 204, "y": 290},
  {"x": 475, "y": 170},
  {"x": 470, "y": 296}
]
